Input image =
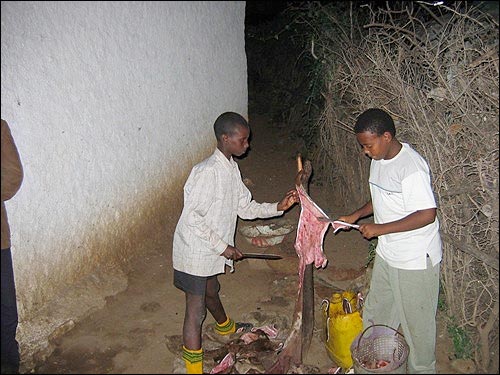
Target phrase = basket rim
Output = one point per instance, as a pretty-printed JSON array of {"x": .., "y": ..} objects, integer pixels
[{"x": 395, "y": 363}]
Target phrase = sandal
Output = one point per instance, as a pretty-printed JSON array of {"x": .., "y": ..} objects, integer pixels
[{"x": 243, "y": 327}]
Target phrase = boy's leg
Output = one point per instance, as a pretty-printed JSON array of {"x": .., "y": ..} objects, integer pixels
[
  {"x": 213, "y": 302},
  {"x": 418, "y": 296},
  {"x": 193, "y": 320},
  {"x": 192, "y": 352},
  {"x": 9, "y": 317},
  {"x": 194, "y": 288},
  {"x": 224, "y": 325},
  {"x": 379, "y": 307}
]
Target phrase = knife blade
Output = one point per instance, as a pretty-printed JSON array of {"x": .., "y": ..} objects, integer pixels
[
  {"x": 326, "y": 219},
  {"x": 261, "y": 256}
]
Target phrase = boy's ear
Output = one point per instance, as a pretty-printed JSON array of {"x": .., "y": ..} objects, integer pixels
[{"x": 387, "y": 136}]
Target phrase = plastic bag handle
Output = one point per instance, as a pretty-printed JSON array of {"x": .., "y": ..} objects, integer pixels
[{"x": 326, "y": 303}]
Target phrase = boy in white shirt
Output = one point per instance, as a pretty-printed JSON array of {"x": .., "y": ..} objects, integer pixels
[
  {"x": 214, "y": 197},
  {"x": 404, "y": 287}
]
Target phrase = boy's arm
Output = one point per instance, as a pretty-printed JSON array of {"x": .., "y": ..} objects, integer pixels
[
  {"x": 12, "y": 169},
  {"x": 360, "y": 213},
  {"x": 249, "y": 209},
  {"x": 418, "y": 198},
  {"x": 415, "y": 220}
]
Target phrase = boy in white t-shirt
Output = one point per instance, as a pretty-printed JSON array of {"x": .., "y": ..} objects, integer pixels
[{"x": 404, "y": 287}]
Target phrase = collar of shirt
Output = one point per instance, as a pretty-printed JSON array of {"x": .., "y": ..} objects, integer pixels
[{"x": 229, "y": 164}]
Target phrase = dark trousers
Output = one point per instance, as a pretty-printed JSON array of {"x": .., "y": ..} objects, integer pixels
[{"x": 9, "y": 318}]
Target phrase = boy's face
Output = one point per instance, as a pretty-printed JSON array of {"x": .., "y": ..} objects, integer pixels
[
  {"x": 237, "y": 143},
  {"x": 374, "y": 146}
]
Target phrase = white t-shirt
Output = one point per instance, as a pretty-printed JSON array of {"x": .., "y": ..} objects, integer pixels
[{"x": 399, "y": 187}]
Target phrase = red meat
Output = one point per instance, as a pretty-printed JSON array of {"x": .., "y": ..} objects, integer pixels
[
  {"x": 310, "y": 231},
  {"x": 309, "y": 248}
]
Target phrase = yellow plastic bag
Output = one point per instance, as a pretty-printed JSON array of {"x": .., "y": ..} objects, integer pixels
[{"x": 341, "y": 328}]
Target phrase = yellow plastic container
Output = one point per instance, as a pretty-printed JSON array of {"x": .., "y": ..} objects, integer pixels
[{"x": 341, "y": 328}]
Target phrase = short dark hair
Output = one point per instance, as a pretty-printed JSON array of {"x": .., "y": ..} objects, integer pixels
[
  {"x": 227, "y": 122},
  {"x": 375, "y": 120}
]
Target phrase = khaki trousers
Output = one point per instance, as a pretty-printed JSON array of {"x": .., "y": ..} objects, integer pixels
[{"x": 408, "y": 298}]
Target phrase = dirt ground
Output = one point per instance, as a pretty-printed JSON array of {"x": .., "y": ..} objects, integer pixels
[{"x": 132, "y": 334}]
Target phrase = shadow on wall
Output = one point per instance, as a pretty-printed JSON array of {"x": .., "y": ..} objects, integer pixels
[{"x": 110, "y": 252}]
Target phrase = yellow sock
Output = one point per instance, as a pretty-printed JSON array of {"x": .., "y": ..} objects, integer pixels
[
  {"x": 193, "y": 360},
  {"x": 226, "y": 328}
]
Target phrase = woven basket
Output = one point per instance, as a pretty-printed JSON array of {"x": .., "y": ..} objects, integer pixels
[{"x": 387, "y": 345}]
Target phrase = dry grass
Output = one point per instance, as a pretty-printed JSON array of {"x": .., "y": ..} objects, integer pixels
[{"x": 438, "y": 78}]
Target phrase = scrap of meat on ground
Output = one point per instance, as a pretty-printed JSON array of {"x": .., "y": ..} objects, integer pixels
[{"x": 252, "y": 350}]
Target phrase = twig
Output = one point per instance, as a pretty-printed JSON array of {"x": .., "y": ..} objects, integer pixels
[
  {"x": 485, "y": 258},
  {"x": 312, "y": 49}
]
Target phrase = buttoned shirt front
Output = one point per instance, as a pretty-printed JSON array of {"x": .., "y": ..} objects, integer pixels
[{"x": 214, "y": 197}]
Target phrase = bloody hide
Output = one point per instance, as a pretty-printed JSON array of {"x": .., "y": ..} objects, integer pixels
[{"x": 309, "y": 248}]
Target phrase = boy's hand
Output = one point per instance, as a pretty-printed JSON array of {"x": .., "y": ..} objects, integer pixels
[
  {"x": 369, "y": 230},
  {"x": 291, "y": 197},
  {"x": 232, "y": 252},
  {"x": 351, "y": 219}
]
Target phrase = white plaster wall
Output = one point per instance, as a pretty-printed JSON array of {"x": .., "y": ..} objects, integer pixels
[{"x": 110, "y": 104}]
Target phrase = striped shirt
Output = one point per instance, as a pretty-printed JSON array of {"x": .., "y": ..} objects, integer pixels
[{"x": 214, "y": 197}]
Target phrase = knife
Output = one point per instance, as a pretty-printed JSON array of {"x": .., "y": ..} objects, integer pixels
[
  {"x": 326, "y": 219},
  {"x": 261, "y": 256}
]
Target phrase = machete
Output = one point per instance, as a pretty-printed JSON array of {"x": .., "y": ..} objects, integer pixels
[{"x": 261, "y": 256}]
